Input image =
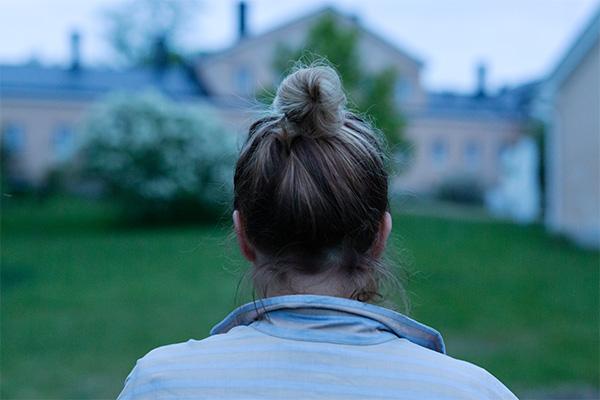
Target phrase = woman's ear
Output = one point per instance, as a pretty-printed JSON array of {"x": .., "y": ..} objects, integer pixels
[
  {"x": 245, "y": 247},
  {"x": 384, "y": 232}
]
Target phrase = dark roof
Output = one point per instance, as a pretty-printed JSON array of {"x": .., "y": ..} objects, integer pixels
[
  {"x": 37, "y": 81},
  {"x": 511, "y": 103},
  {"x": 574, "y": 54},
  {"x": 521, "y": 97}
]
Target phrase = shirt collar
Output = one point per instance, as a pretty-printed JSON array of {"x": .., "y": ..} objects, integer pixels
[{"x": 330, "y": 319}]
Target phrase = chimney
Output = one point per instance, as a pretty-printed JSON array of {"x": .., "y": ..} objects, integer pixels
[
  {"x": 481, "y": 80},
  {"x": 242, "y": 9},
  {"x": 75, "y": 51}
]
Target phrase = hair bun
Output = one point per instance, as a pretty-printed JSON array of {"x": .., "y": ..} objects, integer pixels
[{"x": 313, "y": 100}]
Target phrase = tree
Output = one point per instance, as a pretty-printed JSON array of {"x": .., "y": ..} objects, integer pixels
[
  {"x": 538, "y": 131},
  {"x": 372, "y": 94},
  {"x": 148, "y": 32},
  {"x": 160, "y": 160}
]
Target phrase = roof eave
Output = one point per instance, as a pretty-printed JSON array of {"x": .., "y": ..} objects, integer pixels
[{"x": 573, "y": 55}]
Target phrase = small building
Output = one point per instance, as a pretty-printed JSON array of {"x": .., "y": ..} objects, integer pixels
[{"x": 569, "y": 103}]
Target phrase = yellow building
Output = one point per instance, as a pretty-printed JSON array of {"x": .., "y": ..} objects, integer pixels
[
  {"x": 570, "y": 104},
  {"x": 42, "y": 107},
  {"x": 450, "y": 134}
]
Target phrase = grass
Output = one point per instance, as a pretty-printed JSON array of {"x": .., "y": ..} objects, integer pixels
[{"x": 82, "y": 299}]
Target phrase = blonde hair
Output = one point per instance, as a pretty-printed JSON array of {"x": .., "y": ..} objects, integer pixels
[{"x": 311, "y": 186}]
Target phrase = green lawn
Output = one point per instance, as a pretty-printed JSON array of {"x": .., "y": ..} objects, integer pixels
[{"x": 82, "y": 298}]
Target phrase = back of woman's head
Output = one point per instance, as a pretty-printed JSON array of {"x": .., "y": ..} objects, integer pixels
[{"x": 311, "y": 185}]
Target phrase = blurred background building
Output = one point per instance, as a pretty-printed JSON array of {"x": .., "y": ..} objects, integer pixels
[
  {"x": 450, "y": 135},
  {"x": 569, "y": 103},
  {"x": 42, "y": 107}
]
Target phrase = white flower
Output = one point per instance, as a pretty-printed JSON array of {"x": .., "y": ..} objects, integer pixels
[{"x": 147, "y": 147}]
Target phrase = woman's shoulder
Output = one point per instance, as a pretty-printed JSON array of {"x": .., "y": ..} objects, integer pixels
[
  {"x": 244, "y": 350},
  {"x": 193, "y": 347},
  {"x": 452, "y": 370},
  {"x": 165, "y": 364}
]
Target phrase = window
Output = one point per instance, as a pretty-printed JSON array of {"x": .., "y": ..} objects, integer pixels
[
  {"x": 13, "y": 138},
  {"x": 243, "y": 80},
  {"x": 63, "y": 142},
  {"x": 402, "y": 91},
  {"x": 439, "y": 153},
  {"x": 472, "y": 155}
]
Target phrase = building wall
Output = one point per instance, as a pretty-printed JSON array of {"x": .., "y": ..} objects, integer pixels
[
  {"x": 455, "y": 147},
  {"x": 45, "y": 130},
  {"x": 575, "y": 129},
  {"x": 39, "y": 134}
]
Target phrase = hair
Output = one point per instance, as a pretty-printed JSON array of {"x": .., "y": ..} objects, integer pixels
[{"x": 311, "y": 187}]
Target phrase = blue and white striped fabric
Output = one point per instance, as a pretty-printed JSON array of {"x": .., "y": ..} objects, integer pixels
[{"x": 311, "y": 347}]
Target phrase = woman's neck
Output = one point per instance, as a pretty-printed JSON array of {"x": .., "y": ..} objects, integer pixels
[
  {"x": 329, "y": 282},
  {"x": 319, "y": 284}
]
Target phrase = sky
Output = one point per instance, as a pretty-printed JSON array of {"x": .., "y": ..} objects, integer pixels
[{"x": 518, "y": 40}]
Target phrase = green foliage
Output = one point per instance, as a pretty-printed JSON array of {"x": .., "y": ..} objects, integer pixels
[
  {"x": 537, "y": 130},
  {"x": 6, "y": 181},
  {"x": 135, "y": 28},
  {"x": 462, "y": 189},
  {"x": 372, "y": 94},
  {"x": 11, "y": 184},
  {"x": 161, "y": 160},
  {"x": 379, "y": 104},
  {"x": 326, "y": 39}
]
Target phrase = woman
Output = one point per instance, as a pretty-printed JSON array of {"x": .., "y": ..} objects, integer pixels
[{"x": 311, "y": 215}]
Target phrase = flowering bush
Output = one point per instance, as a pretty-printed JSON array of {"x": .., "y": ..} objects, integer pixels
[{"x": 160, "y": 159}]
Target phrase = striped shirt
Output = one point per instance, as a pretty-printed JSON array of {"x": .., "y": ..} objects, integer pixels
[{"x": 311, "y": 347}]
